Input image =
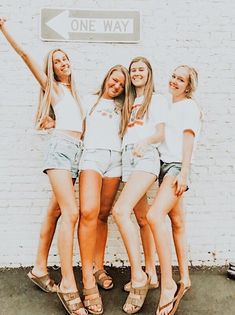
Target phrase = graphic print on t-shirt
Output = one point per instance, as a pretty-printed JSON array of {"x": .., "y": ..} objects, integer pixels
[
  {"x": 107, "y": 112},
  {"x": 134, "y": 120}
]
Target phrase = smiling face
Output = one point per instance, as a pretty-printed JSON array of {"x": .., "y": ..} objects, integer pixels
[
  {"x": 178, "y": 83},
  {"x": 61, "y": 65},
  {"x": 114, "y": 85},
  {"x": 139, "y": 74}
]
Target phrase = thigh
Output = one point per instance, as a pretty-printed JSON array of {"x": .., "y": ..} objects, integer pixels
[
  {"x": 63, "y": 189},
  {"x": 142, "y": 206},
  {"x": 166, "y": 198},
  {"x": 90, "y": 184},
  {"x": 108, "y": 193},
  {"x": 135, "y": 188}
]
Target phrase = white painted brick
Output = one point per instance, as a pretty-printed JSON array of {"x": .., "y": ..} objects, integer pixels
[{"x": 200, "y": 33}]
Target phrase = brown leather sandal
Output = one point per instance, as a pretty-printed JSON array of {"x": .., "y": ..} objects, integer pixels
[
  {"x": 71, "y": 302},
  {"x": 101, "y": 276},
  {"x": 152, "y": 286},
  {"x": 137, "y": 297},
  {"x": 45, "y": 283},
  {"x": 88, "y": 302}
]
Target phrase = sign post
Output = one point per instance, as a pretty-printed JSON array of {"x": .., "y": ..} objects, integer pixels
[{"x": 90, "y": 25}]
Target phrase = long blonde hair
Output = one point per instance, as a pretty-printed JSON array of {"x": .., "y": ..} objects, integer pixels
[
  {"x": 44, "y": 104},
  {"x": 148, "y": 93},
  {"x": 121, "y": 101}
]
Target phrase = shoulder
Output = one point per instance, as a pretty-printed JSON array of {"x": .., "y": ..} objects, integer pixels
[
  {"x": 158, "y": 100},
  {"x": 88, "y": 100}
]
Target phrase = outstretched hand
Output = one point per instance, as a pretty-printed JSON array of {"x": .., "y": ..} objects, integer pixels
[
  {"x": 180, "y": 184},
  {"x": 2, "y": 21}
]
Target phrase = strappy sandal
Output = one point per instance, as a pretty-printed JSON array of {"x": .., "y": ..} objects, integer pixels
[
  {"x": 93, "y": 301},
  {"x": 45, "y": 283},
  {"x": 137, "y": 297},
  {"x": 71, "y": 302},
  {"x": 152, "y": 286},
  {"x": 101, "y": 276}
]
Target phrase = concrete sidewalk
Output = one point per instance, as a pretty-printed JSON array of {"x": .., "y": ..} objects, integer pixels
[{"x": 211, "y": 294}]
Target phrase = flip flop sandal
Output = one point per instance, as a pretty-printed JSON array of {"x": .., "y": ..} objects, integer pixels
[
  {"x": 152, "y": 286},
  {"x": 100, "y": 277},
  {"x": 45, "y": 283},
  {"x": 137, "y": 297},
  {"x": 93, "y": 301},
  {"x": 173, "y": 301},
  {"x": 71, "y": 302}
]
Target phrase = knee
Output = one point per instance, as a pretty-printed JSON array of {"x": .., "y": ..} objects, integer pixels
[
  {"x": 70, "y": 217},
  {"x": 89, "y": 214},
  {"x": 154, "y": 217},
  {"x": 103, "y": 216},
  {"x": 141, "y": 220},
  {"x": 177, "y": 222},
  {"x": 118, "y": 213},
  {"x": 54, "y": 214}
]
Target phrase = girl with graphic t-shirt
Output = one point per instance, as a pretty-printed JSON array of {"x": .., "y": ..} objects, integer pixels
[
  {"x": 100, "y": 167},
  {"x": 181, "y": 133},
  {"x": 142, "y": 131},
  {"x": 61, "y": 165}
]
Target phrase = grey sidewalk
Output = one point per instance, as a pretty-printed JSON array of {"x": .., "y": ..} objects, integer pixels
[{"x": 211, "y": 294}]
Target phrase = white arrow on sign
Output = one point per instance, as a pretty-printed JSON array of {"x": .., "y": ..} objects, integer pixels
[{"x": 63, "y": 25}]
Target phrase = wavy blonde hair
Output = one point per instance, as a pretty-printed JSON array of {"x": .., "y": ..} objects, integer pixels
[
  {"x": 148, "y": 93},
  {"x": 192, "y": 80},
  {"x": 121, "y": 101},
  {"x": 44, "y": 104}
]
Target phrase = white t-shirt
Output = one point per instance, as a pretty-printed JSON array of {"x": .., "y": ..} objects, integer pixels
[
  {"x": 182, "y": 115},
  {"x": 139, "y": 129},
  {"x": 102, "y": 126}
]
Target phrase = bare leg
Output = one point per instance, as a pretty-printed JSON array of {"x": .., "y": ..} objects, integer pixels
[
  {"x": 177, "y": 217},
  {"x": 132, "y": 192},
  {"x": 63, "y": 189},
  {"x": 46, "y": 236},
  {"x": 163, "y": 203},
  {"x": 141, "y": 210},
  {"x": 108, "y": 193},
  {"x": 90, "y": 185}
]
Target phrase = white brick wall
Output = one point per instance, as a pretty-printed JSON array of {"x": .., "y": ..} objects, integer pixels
[{"x": 199, "y": 33}]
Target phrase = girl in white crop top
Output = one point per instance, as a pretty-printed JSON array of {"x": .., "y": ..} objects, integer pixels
[{"x": 57, "y": 91}]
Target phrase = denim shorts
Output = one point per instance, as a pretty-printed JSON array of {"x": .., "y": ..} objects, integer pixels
[
  {"x": 169, "y": 169},
  {"x": 104, "y": 161},
  {"x": 149, "y": 162},
  {"x": 63, "y": 152}
]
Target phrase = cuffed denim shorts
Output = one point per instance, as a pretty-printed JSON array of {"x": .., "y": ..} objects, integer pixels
[
  {"x": 63, "y": 152},
  {"x": 169, "y": 169},
  {"x": 149, "y": 162},
  {"x": 106, "y": 162}
]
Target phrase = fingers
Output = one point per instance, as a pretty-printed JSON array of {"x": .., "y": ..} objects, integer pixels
[{"x": 2, "y": 20}]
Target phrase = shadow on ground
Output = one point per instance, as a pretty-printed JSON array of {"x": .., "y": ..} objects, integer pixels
[{"x": 211, "y": 294}]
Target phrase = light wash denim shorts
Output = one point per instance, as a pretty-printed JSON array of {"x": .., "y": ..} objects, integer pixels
[
  {"x": 169, "y": 169},
  {"x": 106, "y": 162},
  {"x": 149, "y": 162},
  {"x": 63, "y": 152}
]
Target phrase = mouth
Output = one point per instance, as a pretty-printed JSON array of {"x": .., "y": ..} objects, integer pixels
[{"x": 173, "y": 86}]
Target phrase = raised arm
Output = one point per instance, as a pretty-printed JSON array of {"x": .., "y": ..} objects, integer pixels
[{"x": 36, "y": 70}]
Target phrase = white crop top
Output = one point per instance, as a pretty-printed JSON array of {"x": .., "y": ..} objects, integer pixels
[{"x": 67, "y": 112}]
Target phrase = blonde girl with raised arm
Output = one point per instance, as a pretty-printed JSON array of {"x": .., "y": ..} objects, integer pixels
[
  {"x": 58, "y": 92},
  {"x": 181, "y": 132},
  {"x": 142, "y": 131}
]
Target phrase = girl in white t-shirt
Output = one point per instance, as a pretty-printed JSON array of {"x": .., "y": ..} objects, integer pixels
[
  {"x": 61, "y": 165},
  {"x": 181, "y": 132},
  {"x": 99, "y": 180},
  {"x": 142, "y": 131}
]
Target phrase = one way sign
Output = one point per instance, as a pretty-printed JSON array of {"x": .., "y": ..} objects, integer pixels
[{"x": 90, "y": 25}]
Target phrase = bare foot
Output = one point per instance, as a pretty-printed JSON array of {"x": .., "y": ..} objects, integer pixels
[{"x": 167, "y": 295}]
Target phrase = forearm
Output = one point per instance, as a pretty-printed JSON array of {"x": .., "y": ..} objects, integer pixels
[
  {"x": 12, "y": 41},
  {"x": 158, "y": 136}
]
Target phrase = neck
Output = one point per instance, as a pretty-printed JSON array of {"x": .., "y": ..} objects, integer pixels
[
  {"x": 178, "y": 98},
  {"x": 106, "y": 96},
  {"x": 139, "y": 91}
]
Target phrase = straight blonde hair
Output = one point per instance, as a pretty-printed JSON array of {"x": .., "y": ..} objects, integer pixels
[
  {"x": 44, "y": 104},
  {"x": 148, "y": 93},
  {"x": 121, "y": 101}
]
